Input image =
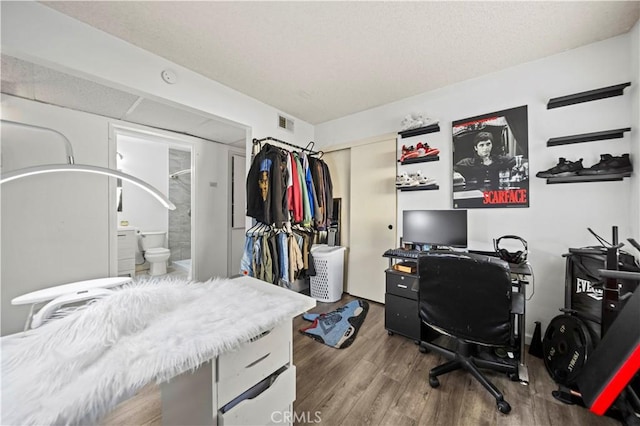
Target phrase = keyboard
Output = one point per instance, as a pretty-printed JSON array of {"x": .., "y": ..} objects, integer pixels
[{"x": 402, "y": 253}]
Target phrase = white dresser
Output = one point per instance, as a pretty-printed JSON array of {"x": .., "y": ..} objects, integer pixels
[
  {"x": 127, "y": 252},
  {"x": 254, "y": 384}
]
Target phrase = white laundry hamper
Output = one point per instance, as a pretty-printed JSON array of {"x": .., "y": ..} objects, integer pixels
[{"x": 327, "y": 284}]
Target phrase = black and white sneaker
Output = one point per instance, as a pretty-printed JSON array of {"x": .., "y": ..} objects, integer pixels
[
  {"x": 608, "y": 165},
  {"x": 563, "y": 168}
]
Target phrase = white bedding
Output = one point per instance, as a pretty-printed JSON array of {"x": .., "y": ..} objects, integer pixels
[{"x": 75, "y": 369}]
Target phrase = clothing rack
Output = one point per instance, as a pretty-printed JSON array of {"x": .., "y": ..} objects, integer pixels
[{"x": 308, "y": 148}]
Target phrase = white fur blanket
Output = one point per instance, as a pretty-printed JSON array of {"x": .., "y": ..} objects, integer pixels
[{"x": 77, "y": 368}]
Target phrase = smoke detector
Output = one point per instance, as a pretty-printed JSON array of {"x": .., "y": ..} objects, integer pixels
[{"x": 169, "y": 76}]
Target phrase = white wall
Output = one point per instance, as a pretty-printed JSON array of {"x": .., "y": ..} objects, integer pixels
[
  {"x": 558, "y": 215},
  {"x": 55, "y": 227},
  {"x": 148, "y": 161}
]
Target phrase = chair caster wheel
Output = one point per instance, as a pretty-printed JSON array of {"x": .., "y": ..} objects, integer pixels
[
  {"x": 434, "y": 382},
  {"x": 504, "y": 407},
  {"x": 514, "y": 377},
  {"x": 390, "y": 333},
  {"x": 423, "y": 350}
]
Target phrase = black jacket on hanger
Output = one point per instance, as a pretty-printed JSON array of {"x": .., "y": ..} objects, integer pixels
[{"x": 266, "y": 186}]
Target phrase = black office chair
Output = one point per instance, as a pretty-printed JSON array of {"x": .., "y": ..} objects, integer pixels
[{"x": 469, "y": 297}]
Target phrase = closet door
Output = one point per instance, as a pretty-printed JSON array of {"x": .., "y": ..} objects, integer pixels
[{"x": 373, "y": 211}]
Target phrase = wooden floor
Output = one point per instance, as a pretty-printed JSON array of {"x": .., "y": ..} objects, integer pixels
[{"x": 383, "y": 380}]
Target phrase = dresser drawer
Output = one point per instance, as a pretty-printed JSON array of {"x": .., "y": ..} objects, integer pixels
[
  {"x": 403, "y": 285},
  {"x": 253, "y": 361},
  {"x": 273, "y": 405}
]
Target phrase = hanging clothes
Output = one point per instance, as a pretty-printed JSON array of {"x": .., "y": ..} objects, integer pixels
[
  {"x": 295, "y": 196},
  {"x": 266, "y": 187},
  {"x": 285, "y": 188}
]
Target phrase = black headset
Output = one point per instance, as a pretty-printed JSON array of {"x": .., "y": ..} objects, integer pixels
[{"x": 517, "y": 257}]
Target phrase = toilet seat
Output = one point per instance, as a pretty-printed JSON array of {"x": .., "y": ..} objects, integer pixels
[{"x": 158, "y": 250}]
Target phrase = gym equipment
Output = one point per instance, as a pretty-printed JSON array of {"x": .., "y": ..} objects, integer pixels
[
  {"x": 567, "y": 345},
  {"x": 594, "y": 355},
  {"x": 535, "y": 348},
  {"x": 518, "y": 257},
  {"x": 584, "y": 286},
  {"x": 612, "y": 366}
]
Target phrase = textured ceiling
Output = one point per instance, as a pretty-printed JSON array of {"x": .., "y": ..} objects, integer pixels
[{"x": 323, "y": 60}]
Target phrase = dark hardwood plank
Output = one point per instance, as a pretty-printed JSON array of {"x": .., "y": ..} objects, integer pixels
[{"x": 372, "y": 407}]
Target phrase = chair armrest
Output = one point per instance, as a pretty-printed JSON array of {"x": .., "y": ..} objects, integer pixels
[{"x": 517, "y": 303}]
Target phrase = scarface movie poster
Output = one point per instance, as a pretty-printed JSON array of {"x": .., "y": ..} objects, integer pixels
[{"x": 491, "y": 160}]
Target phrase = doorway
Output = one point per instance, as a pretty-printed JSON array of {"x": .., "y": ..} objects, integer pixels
[
  {"x": 211, "y": 244},
  {"x": 165, "y": 163}
]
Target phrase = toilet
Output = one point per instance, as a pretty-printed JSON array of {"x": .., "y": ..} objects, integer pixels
[{"x": 152, "y": 243}]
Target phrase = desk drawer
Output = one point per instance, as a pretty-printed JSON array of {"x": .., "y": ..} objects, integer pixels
[
  {"x": 253, "y": 361},
  {"x": 273, "y": 405},
  {"x": 403, "y": 285},
  {"x": 401, "y": 316}
]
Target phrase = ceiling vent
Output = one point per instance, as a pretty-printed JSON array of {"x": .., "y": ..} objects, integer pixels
[{"x": 285, "y": 123}]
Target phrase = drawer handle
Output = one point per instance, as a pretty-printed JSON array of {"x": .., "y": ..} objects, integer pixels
[
  {"x": 260, "y": 336},
  {"x": 402, "y": 286},
  {"x": 258, "y": 360}
]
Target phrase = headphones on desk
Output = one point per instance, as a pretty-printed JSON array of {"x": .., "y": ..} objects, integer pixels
[{"x": 516, "y": 257}]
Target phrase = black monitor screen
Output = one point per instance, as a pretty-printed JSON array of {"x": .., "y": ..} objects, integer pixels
[{"x": 435, "y": 227}]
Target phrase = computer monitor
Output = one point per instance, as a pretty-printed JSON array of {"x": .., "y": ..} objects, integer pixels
[{"x": 435, "y": 227}]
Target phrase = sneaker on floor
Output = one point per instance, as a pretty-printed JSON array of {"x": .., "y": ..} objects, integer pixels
[
  {"x": 563, "y": 168},
  {"x": 609, "y": 164}
]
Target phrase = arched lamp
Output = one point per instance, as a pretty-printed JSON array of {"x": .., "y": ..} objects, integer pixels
[{"x": 71, "y": 167}]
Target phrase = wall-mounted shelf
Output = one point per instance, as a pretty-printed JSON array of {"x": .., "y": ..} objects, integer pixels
[
  {"x": 420, "y": 159},
  {"x": 418, "y": 188},
  {"x": 591, "y": 95},
  {"x": 593, "y": 178},
  {"x": 420, "y": 131},
  {"x": 589, "y": 137}
]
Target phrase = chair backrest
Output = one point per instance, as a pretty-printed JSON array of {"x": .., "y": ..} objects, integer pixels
[{"x": 466, "y": 295}]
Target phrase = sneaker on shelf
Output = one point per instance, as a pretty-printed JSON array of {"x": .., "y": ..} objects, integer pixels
[
  {"x": 563, "y": 168},
  {"x": 409, "y": 122},
  {"x": 426, "y": 181},
  {"x": 458, "y": 179},
  {"x": 609, "y": 164},
  {"x": 413, "y": 179},
  {"x": 410, "y": 153},
  {"x": 426, "y": 121},
  {"x": 426, "y": 150},
  {"x": 402, "y": 179}
]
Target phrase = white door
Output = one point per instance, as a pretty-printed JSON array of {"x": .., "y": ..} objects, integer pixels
[{"x": 373, "y": 217}]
